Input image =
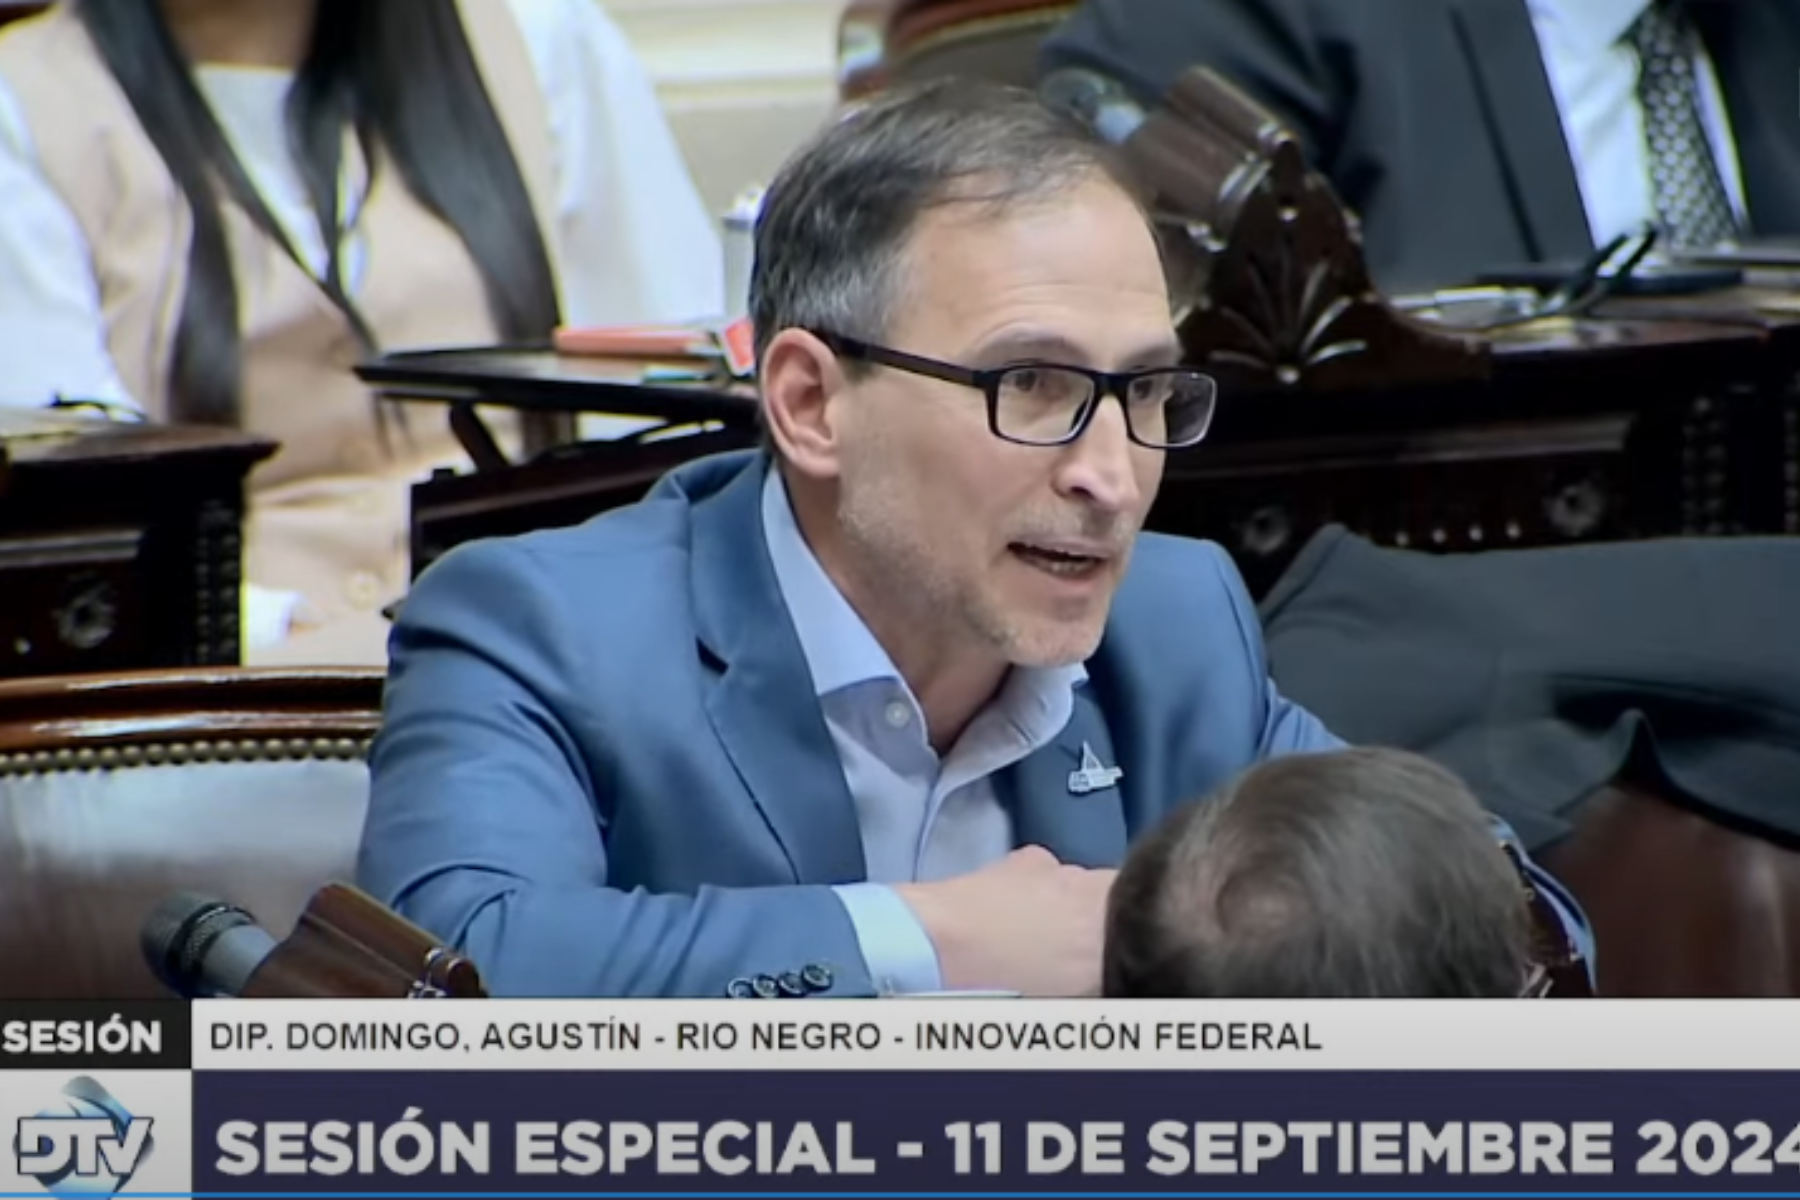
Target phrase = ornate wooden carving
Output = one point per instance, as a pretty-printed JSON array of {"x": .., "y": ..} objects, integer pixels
[
  {"x": 89, "y": 613},
  {"x": 121, "y": 544},
  {"x": 551, "y": 492},
  {"x": 1266, "y": 263},
  {"x": 218, "y": 578},
  {"x": 1704, "y": 455}
]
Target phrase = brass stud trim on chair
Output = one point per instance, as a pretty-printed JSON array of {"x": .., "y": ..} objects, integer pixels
[{"x": 112, "y": 758}]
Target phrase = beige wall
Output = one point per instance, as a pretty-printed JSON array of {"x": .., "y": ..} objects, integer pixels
[{"x": 742, "y": 81}]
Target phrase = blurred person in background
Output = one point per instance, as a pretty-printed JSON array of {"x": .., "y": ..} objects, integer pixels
[
  {"x": 1478, "y": 135},
  {"x": 216, "y": 208}
]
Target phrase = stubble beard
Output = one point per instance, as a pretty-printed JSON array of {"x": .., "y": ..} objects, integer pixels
[{"x": 898, "y": 569}]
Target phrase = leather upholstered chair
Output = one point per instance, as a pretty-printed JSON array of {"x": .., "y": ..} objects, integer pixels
[
  {"x": 247, "y": 784},
  {"x": 886, "y": 42},
  {"x": 1682, "y": 904}
]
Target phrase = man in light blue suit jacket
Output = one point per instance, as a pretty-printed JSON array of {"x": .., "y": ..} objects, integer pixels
[{"x": 878, "y": 709}]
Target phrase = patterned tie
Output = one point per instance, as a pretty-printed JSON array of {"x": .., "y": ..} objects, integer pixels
[{"x": 1692, "y": 207}]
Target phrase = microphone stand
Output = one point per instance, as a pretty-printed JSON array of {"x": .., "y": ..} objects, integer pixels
[{"x": 346, "y": 946}]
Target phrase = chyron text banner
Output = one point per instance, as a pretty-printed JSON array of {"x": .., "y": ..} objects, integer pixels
[{"x": 957, "y": 1097}]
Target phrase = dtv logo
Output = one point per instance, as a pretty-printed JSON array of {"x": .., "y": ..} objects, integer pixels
[{"x": 85, "y": 1146}]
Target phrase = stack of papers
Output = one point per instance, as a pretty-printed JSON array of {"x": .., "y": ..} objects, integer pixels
[{"x": 664, "y": 353}]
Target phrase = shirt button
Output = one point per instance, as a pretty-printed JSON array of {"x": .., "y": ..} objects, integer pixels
[{"x": 898, "y": 714}]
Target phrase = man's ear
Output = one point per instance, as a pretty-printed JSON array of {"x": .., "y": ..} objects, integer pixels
[{"x": 801, "y": 378}]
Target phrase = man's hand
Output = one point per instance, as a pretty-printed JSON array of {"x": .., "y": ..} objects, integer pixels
[{"x": 1027, "y": 924}]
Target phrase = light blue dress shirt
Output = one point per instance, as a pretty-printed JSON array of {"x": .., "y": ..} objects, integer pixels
[
  {"x": 922, "y": 817},
  {"x": 1593, "y": 76}
]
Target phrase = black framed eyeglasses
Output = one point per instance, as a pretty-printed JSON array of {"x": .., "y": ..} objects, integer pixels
[
  {"x": 1557, "y": 968},
  {"x": 1052, "y": 404}
]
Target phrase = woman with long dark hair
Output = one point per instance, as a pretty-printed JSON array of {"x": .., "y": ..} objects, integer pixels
[{"x": 210, "y": 210}]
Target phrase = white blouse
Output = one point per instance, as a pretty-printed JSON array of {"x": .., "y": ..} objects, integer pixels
[{"x": 636, "y": 241}]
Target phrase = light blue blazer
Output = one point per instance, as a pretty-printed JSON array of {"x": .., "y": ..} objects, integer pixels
[{"x": 603, "y": 770}]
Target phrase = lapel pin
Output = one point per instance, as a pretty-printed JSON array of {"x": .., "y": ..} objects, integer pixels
[{"x": 1092, "y": 775}]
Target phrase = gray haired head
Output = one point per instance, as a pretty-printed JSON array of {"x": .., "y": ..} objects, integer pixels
[
  {"x": 1366, "y": 872},
  {"x": 835, "y": 224}
]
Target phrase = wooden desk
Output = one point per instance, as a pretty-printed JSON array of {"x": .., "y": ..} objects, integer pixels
[
  {"x": 566, "y": 484},
  {"x": 562, "y": 488},
  {"x": 1660, "y": 417},
  {"x": 1608, "y": 430},
  {"x": 120, "y": 545},
  {"x": 1603, "y": 430}
]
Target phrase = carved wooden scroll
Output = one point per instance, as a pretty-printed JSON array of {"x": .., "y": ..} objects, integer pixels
[{"x": 1272, "y": 286}]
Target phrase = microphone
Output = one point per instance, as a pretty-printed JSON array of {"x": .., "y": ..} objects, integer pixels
[
  {"x": 345, "y": 945},
  {"x": 201, "y": 948},
  {"x": 1097, "y": 101}
]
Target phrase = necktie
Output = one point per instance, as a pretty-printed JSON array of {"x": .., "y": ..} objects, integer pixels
[{"x": 1692, "y": 207}]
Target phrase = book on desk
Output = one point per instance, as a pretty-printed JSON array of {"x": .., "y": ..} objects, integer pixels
[{"x": 1653, "y": 419}]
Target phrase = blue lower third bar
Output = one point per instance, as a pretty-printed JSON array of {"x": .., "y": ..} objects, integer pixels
[{"x": 1019, "y": 1133}]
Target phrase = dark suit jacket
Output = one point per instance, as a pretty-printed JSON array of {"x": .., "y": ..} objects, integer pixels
[
  {"x": 1434, "y": 119},
  {"x": 1541, "y": 675}
]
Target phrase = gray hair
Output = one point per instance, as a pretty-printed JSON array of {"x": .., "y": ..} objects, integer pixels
[
  {"x": 835, "y": 223},
  {"x": 1356, "y": 873}
]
